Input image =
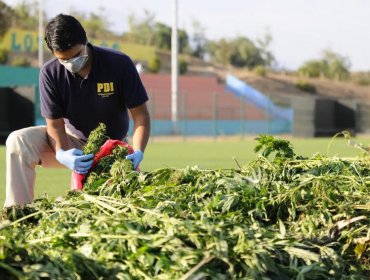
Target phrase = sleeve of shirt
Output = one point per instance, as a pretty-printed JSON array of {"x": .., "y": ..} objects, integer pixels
[
  {"x": 134, "y": 91},
  {"x": 50, "y": 103}
]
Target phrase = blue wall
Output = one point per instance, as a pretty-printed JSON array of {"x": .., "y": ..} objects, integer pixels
[{"x": 220, "y": 127}]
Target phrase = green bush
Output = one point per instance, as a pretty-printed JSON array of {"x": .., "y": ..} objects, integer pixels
[
  {"x": 154, "y": 64},
  {"x": 306, "y": 86},
  {"x": 312, "y": 69},
  {"x": 332, "y": 66},
  {"x": 21, "y": 61},
  {"x": 183, "y": 66},
  {"x": 4, "y": 56},
  {"x": 362, "y": 79},
  {"x": 260, "y": 70}
]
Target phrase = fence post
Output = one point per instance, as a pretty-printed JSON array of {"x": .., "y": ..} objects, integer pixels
[
  {"x": 269, "y": 116},
  {"x": 184, "y": 119},
  {"x": 242, "y": 106},
  {"x": 214, "y": 113}
]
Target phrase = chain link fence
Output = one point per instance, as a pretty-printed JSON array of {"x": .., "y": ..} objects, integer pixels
[{"x": 211, "y": 114}]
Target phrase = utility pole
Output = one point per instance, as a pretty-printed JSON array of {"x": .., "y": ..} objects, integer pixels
[
  {"x": 174, "y": 70},
  {"x": 41, "y": 34}
]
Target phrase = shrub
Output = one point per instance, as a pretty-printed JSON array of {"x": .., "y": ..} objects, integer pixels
[
  {"x": 260, "y": 70},
  {"x": 183, "y": 66},
  {"x": 313, "y": 69},
  {"x": 362, "y": 79},
  {"x": 154, "y": 64},
  {"x": 4, "y": 56},
  {"x": 332, "y": 66},
  {"x": 306, "y": 86}
]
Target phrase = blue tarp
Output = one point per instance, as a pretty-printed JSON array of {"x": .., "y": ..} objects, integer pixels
[{"x": 249, "y": 94}]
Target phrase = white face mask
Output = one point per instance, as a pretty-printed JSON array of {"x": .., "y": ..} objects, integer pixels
[{"x": 74, "y": 65}]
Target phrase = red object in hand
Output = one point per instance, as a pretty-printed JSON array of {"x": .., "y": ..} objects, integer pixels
[{"x": 106, "y": 149}]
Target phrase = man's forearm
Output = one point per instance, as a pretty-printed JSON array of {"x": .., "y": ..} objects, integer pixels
[
  {"x": 141, "y": 137},
  {"x": 141, "y": 127},
  {"x": 56, "y": 133}
]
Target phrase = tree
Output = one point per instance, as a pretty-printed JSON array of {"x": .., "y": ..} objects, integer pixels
[
  {"x": 151, "y": 33},
  {"x": 331, "y": 66},
  {"x": 141, "y": 31},
  {"x": 199, "y": 40},
  {"x": 239, "y": 52},
  {"x": 95, "y": 25},
  {"x": 220, "y": 51},
  {"x": 338, "y": 66},
  {"x": 313, "y": 69},
  {"x": 245, "y": 54},
  {"x": 183, "y": 41},
  {"x": 263, "y": 45},
  {"x": 5, "y": 13},
  {"x": 26, "y": 15},
  {"x": 162, "y": 37}
]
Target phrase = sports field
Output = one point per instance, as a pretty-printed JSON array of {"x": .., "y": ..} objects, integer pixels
[{"x": 205, "y": 153}]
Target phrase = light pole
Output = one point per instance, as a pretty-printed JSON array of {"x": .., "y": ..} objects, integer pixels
[
  {"x": 174, "y": 70},
  {"x": 40, "y": 34}
]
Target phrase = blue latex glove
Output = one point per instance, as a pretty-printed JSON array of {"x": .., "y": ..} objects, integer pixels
[
  {"x": 136, "y": 157},
  {"x": 75, "y": 160}
]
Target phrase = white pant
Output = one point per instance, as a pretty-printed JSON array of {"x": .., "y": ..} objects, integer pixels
[{"x": 25, "y": 149}]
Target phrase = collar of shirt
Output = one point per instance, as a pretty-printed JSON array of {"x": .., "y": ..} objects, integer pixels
[{"x": 94, "y": 63}]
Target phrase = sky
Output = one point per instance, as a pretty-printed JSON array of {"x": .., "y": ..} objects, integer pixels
[{"x": 301, "y": 29}]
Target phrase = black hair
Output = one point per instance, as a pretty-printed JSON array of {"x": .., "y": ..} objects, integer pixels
[{"x": 64, "y": 32}]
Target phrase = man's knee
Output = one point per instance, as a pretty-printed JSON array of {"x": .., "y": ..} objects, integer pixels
[
  {"x": 14, "y": 140},
  {"x": 33, "y": 135}
]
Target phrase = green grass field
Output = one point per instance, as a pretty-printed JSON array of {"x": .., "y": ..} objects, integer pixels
[{"x": 206, "y": 153}]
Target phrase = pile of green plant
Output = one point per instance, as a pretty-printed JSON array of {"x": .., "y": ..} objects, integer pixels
[
  {"x": 96, "y": 139},
  {"x": 281, "y": 216},
  {"x": 110, "y": 168}
]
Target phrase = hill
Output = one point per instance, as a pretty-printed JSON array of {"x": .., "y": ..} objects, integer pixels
[{"x": 284, "y": 85}]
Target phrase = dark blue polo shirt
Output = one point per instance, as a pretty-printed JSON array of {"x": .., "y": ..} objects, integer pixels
[{"x": 112, "y": 86}]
